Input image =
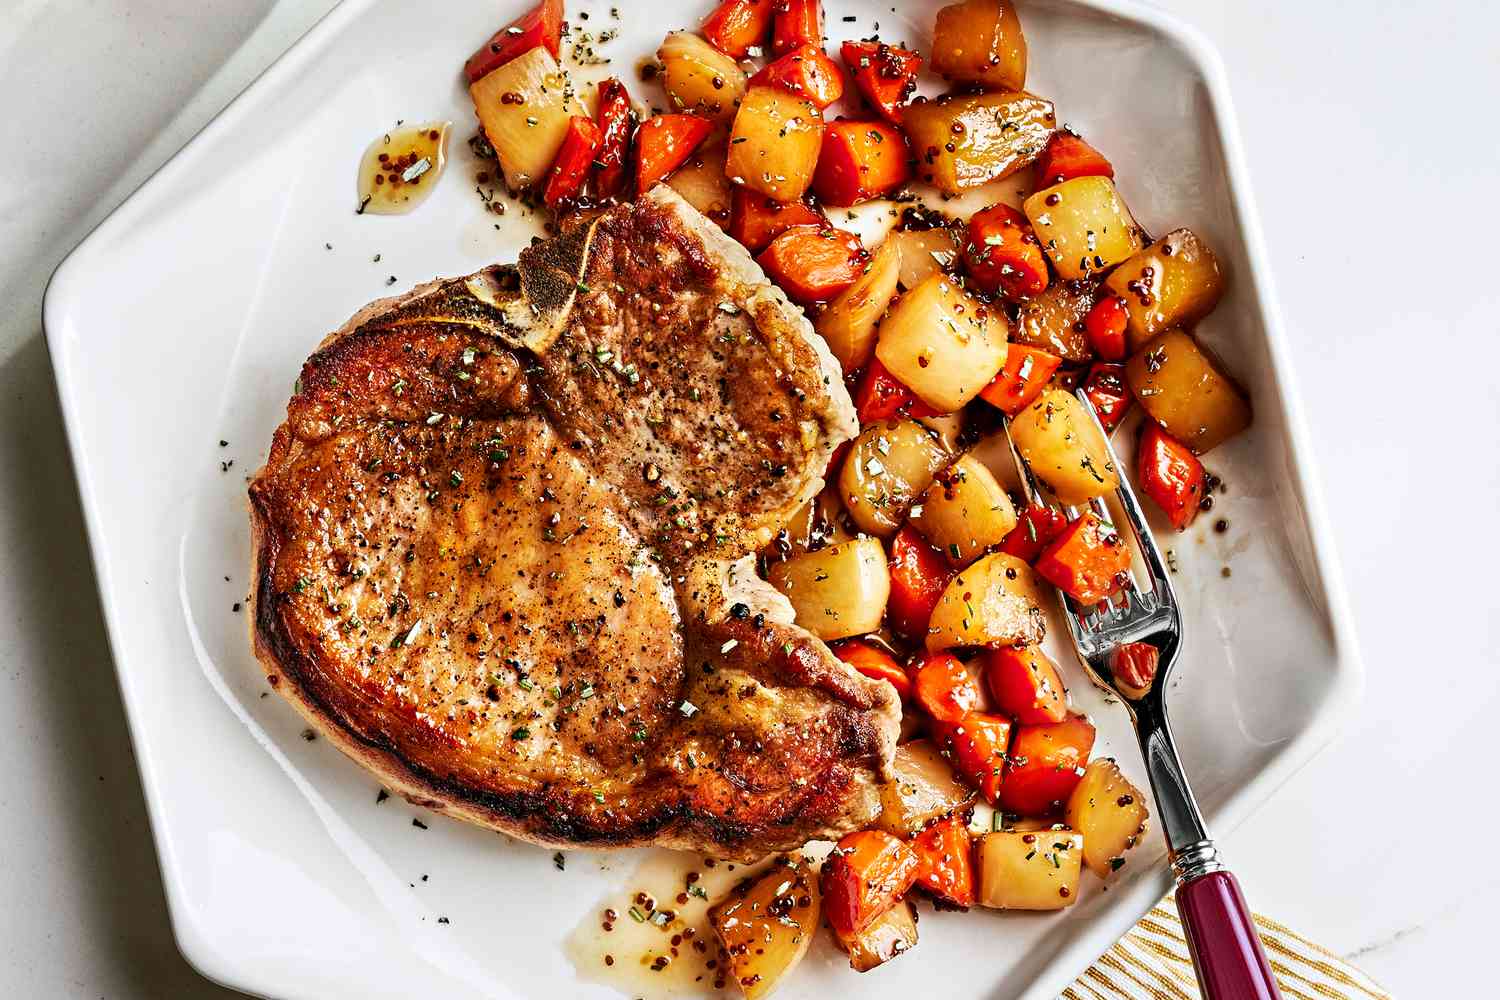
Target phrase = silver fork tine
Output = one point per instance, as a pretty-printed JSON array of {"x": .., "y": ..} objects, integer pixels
[
  {"x": 1104, "y": 608},
  {"x": 1098, "y": 612},
  {"x": 1125, "y": 494},
  {"x": 1091, "y": 617},
  {"x": 1080, "y": 631},
  {"x": 1028, "y": 481},
  {"x": 1078, "y": 622}
]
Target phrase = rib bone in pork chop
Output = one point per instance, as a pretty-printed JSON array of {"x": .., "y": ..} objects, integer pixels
[{"x": 502, "y": 541}]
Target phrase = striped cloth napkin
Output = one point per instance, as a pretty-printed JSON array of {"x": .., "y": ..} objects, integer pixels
[{"x": 1151, "y": 963}]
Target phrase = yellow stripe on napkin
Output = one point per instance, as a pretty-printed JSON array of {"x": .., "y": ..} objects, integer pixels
[{"x": 1151, "y": 963}]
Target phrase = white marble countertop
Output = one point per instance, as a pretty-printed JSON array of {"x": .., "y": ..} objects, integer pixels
[{"x": 1373, "y": 152}]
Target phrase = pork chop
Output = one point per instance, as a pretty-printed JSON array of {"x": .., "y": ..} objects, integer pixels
[{"x": 503, "y": 548}]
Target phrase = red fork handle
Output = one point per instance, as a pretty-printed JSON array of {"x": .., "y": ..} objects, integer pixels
[{"x": 1221, "y": 937}]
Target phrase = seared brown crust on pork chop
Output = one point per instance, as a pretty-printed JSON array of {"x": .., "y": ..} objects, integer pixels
[{"x": 500, "y": 541}]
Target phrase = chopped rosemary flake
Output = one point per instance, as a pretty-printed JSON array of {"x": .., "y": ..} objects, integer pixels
[
  {"x": 409, "y": 637},
  {"x": 416, "y": 170}
]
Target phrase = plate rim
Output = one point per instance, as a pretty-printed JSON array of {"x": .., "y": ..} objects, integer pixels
[{"x": 1346, "y": 674}]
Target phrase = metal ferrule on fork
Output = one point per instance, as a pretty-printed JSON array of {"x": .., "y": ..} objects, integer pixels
[{"x": 1195, "y": 861}]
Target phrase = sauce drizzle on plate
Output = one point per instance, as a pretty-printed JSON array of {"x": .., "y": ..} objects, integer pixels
[{"x": 401, "y": 167}]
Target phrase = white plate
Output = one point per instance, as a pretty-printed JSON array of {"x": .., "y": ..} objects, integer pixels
[{"x": 184, "y": 318}]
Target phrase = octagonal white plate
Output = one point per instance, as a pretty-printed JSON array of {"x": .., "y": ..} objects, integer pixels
[{"x": 182, "y": 321}]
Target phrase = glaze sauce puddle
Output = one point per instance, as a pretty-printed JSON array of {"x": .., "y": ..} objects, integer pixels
[
  {"x": 401, "y": 167},
  {"x": 651, "y": 938}
]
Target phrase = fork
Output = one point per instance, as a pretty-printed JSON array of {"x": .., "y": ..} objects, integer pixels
[{"x": 1226, "y": 950}]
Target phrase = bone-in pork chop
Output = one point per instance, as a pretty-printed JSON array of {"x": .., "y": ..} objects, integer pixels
[{"x": 501, "y": 548}]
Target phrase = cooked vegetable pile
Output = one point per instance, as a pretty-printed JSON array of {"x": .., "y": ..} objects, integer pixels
[{"x": 915, "y": 561}]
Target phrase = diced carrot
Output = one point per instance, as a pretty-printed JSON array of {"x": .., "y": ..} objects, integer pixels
[
  {"x": 737, "y": 26},
  {"x": 1067, "y": 156},
  {"x": 874, "y": 663},
  {"x": 945, "y": 861},
  {"x": 574, "y": 160},
  {"x": 1026, "y": 373},
  {"x": 1025, "y": 684},
  {"x": 881, "y": 396},
  {"x": 867, "y": 874},
  {"x": 1035, "y": 529},
  {"x": 1045, "y": 764},
  {"x": 1087, "y": 561},
  {"x": 945, "y": 689},
  {"x": 542, "y": 25},
  {"x": 755, "y": 220},
  {"x": 885, "y": 74},
  {"x": 797, "y": 23},
  {"x": 806, "y": 72},
  {"x": 1002, "y": 254},
  {"x": 1110, "y": 394},
  {"x": 616, "y": 127},
  {"x": 1133, "y": 666},
  {"x": 919, "y": 573},
  {"x": 976, "y": 745},
  {"x": 860, "y": 161},
  {"x": 664, "y": 143},
  {"x": 1105, "y": 327},
  {"x": 1170, "y": 474},
  {"x": 812, "y": 264}
]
